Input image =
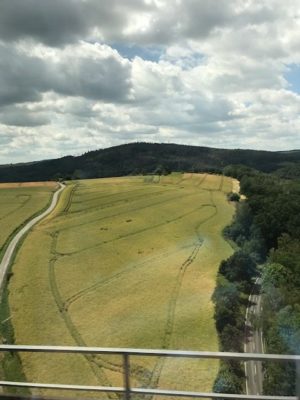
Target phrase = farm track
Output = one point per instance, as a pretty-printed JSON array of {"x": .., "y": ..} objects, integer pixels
[{"x": 69, "y": 202}]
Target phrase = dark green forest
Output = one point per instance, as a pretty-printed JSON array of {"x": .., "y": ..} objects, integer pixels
[
  {"x": 147, "y": 158},
  {"x": 266, "y": 230}
]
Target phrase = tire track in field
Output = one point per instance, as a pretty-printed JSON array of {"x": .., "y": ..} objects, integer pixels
[
  {"x": 97, "y": 363},
  {"x": 137, "y": 232},
  {"x": 70, "y": 197},
  {"x": 104, "y": 281},
  {"x": 127, "y": 211},
  {"x": 112, "y": 203},
  {"x": 156, "y": 372},
  {"x": 202, "y": 180},
  {"x": 120, "y": 192},
  {"x": 104, "y": 196},
  {"x": 97, "y": 370},
  {"x": 221, "y": 183}
]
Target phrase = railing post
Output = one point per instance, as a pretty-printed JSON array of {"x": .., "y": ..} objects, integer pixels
[
  {"x": 298, "y": 379},
  {"x": 126, "y": 365}
]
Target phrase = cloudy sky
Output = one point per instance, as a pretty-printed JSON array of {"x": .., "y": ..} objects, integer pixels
[{"x": 77, "y": 75}]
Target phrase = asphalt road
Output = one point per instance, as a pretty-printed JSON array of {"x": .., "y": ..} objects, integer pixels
[
  {"x": 16, "y": 239},
  {"x": 254, "y": 343}
]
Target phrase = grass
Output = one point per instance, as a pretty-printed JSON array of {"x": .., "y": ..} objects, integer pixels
[
  {"x": 124, "y": 262},
  {"x": 18, "y": 203}
]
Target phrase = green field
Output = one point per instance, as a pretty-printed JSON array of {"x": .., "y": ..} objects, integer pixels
[
  {"x": 18, "y": 203},
  {"x": 124, "y": 262}
]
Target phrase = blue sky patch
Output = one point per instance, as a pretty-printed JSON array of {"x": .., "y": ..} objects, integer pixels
[
  {"x": 131, "y": 51},
  {"x": 293, "y": 77}
]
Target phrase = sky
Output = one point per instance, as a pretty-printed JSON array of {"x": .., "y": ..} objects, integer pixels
[{"x": 79, "y": 75}]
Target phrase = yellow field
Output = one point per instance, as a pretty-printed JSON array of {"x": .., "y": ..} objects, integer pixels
[
  {"x": 18, "y": 202},
  {"x": 124, "y": 262}
]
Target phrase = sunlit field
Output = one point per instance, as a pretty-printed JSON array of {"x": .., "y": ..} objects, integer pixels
[
  {"x": 18, "y": 202},
  {"x": 124, "y": 262}
]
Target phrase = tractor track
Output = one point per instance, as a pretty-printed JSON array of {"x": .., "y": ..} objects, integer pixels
[
  {"x": 156, "y": 372},
  {"x": 137, "y": 232}
]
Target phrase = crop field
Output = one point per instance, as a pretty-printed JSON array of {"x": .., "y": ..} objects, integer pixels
[
  {"x": 124, "y": 262},
  {"x": 18, "y": 202}
]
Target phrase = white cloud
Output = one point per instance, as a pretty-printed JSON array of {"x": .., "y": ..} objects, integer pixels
[{"x": 219, "y": 79}]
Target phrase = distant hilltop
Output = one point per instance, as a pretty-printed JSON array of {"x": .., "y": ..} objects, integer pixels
[{"x": 152, "y": 158}]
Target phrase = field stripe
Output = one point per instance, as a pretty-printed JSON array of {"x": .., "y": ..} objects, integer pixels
[
  {"x": 137, "y": 232},
  {"x": 130, "y": 210}
]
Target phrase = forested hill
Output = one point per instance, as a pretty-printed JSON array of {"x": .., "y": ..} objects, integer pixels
[{"x": 138, "y": 158}]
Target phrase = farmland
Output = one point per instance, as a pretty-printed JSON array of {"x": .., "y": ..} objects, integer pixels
[
  {"x": 124, "y": 262},
  {"x": 18, "y": 202}
]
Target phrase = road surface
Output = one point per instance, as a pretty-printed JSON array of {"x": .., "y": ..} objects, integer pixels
[
  {"x": 16, "y": 239},
  {"x": 254, "y": 342}
]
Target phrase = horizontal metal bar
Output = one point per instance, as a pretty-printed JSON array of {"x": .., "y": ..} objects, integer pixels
[
  {"x": 150, "y": 352},
  {"x": 59, "y": 386},
  {"x": 209, "y": 395},
  {"x": 157, "y": 392}
]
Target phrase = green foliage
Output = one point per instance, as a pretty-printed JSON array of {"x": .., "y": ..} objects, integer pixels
[
  {"x": 144, "y": 158},
  {"x": 233, "y": 196},
  {"x": 239, "y": 268},
  {"x": 228, "y": 316},
  {"x": 228, "y": 380}
]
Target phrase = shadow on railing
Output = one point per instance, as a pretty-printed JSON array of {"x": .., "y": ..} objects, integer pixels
[{"x": 126, "y": 390}]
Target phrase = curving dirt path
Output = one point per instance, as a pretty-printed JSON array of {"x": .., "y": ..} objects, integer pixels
[{"x": 16, "y": 239}]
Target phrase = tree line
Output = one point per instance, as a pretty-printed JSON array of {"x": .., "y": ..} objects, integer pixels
[{"x": 266, "y": 232}]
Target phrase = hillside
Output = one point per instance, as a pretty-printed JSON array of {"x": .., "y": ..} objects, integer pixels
[{"x": 138, "y": 158}]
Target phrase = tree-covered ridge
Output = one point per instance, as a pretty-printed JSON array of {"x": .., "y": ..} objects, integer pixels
[{"x": 139, "y": 158}]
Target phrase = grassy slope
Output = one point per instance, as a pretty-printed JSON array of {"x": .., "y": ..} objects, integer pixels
[
  {"x": 124, "y": 262},
  {"x": 18, "y": 204}
]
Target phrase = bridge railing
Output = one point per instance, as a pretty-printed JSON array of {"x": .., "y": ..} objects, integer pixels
[{"x": 128, "y": 391}]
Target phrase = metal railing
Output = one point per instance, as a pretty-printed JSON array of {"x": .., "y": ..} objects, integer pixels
[{"x": 126, "y": 354}]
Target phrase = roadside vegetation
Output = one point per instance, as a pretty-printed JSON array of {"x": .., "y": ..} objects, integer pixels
[
  {"x": 18, "y": 203},
  {"x": 266, "y": 232},
  {"x": 124, "y": 262}
]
